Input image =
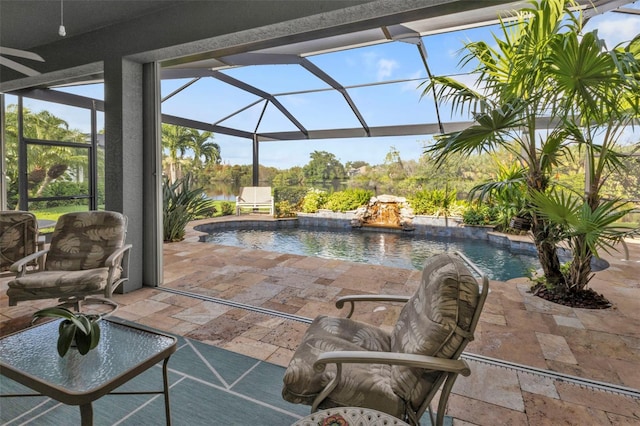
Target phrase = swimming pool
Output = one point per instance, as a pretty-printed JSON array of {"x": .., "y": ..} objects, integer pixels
[{"x": 400, "y": 250}]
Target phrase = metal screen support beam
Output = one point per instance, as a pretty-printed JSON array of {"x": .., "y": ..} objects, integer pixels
[
  {"x": 256, "y": 163},
  {"x": 3, "y": 151},
  {"x": 22, "y": 161}
]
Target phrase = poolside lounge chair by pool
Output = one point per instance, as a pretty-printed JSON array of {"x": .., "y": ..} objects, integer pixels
[{"x": 255, "y": 198}]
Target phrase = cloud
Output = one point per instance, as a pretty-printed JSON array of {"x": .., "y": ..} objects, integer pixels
[
  {"x": 412, "y": 86},
  {"x": 615, "y": 30},
  {"x": 385, "y": 68}
]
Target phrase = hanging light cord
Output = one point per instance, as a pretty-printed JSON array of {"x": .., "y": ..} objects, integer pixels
[{"x": 62, "y": 31}]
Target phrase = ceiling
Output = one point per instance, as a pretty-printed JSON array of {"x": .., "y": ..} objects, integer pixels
[{"x": 25, "y": 24}]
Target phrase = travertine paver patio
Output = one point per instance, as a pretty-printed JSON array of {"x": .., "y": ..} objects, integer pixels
[{"x": 602, "y": 345}]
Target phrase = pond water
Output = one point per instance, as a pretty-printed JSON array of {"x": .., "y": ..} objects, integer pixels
[{"x": 400, "y": 250}]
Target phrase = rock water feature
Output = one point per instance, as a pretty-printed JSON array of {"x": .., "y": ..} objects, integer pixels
[{"x": 385, "y": 211}]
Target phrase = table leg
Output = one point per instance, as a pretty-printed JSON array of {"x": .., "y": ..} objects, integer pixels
[
  {"x": 86, "y": 415},
  {"x": 165, "y": 380}
]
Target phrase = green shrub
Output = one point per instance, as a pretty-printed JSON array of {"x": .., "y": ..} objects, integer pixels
[
  {"x": 226, "y": 208},
  {"x": 285, "y": 209},
  {"x": 479, "y": 215},
  {"x": 349, "y": 199},
  {"x": 182, "y": 203},
  {"x": 294, "y": 195},
  {"x": 437, "y": 202},
  {"x": 314, "y": 200}
]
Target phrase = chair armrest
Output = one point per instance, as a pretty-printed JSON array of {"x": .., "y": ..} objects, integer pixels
[
  {"x": 457, "y": 366},
  {"x": 18, "y": 267},
  {"x": 111, "y": 260},
  {"x": 368, "y": 298}
]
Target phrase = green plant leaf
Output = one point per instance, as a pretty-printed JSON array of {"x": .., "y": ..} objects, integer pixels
[
  {"x": 54, "y": 312},
  {"x": 66, "y": 333},
  {"x": 84, "y": 342},
  {"x": 95, "y": 334}
]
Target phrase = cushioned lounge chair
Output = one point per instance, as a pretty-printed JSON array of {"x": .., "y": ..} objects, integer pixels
[
  {"x": 342, "y": 362},
  {"x": 87, "y": 256},
  {"x": 18, "y": 236}
]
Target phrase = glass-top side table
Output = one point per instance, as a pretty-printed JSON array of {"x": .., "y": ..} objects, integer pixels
[{"x": 30, "y": 358}]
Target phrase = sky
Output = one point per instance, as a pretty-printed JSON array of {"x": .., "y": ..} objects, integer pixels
[{"x": 211, "y": 101}]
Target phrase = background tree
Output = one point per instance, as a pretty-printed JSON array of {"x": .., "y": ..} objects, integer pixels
[
  {"x": 175, "y": 141},
  {"x": 204, "y": 149},
  {"x": 324, "y": 166},
  {"x": 46, "y": 163}
]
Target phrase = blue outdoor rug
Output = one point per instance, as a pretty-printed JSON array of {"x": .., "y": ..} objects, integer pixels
[{"x": 209, "y": 386}]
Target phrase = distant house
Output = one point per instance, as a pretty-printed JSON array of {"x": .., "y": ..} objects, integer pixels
[{"x": 356, "y": 171}]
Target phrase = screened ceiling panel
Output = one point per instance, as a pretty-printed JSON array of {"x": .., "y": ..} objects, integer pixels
[
  {"x": 321, "y": 110},
  {"x": 277, "y": 78},
  {"x": 392, "y": 104},
  {"x": 221, "y": 99},
  {"x": 372, "y": 64},
  {"x": 274, "y": 120}
]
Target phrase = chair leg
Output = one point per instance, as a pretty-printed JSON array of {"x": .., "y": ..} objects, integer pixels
[{"x": 444, "y": 398}]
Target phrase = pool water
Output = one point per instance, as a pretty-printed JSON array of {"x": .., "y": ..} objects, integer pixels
[{"x": 400, "y": 250}]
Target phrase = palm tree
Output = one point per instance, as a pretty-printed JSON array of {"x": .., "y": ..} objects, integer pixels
[
  {"x": 542, "y": 69},
  {"x": 204, "y": 149},
  {"x": 47, "y": 163},
  {"x": 176, "y": 140}
]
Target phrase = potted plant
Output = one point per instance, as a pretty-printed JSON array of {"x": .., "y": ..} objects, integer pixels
[{"x": 77, "y": 328}]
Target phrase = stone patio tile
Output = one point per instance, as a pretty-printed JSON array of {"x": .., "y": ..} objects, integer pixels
[
  {"x": 520, "y": 347},
  {"x": 202, "y": 313},
  {"x": 143, "y": 308},
  {"x": 522, "y": 320},
  {"x": 572, "y": 322},
  {"x": 364, "y": 284},
  {"x": 143, "y": 293},
  {"x": 317, "y": 292},
  {"x": 159, "y": 321},
  {"x": 263, "y": 320},
  {"x": 605, "y": 401},
  {"x": 258, "y": 294},
  {"x": 256, "y": 332},
  {"x": 628, "y": 372},
  {"x": 219, "y": 330},
  {"x": 555, "y": 348},
  {"x": 287, "y": 335},
  {"x": 618, "y": 420},
  {"x": 607, "y": 321},
  {"x": 313, "y": 309},
  {"x": 544, "y": 411},
  {"x": 493, "y": 385},
  {"x": 250, "y": 347},
  {"x": 482, "y": 413},
  {"x": 288, "y": 296},
  {"x": 294, "y": 279},
  {"x": 493, "y": 318},
  {"x": 538, "y": 385},
  {"x": 281, "y": 357},
  {"x": 175, "y": 299},
  {"x": 183, "y": 327},
  {"x": 288, "y": 309},
  {"x": 602, "y": 344},
  {"x": 538, "y": 304}
]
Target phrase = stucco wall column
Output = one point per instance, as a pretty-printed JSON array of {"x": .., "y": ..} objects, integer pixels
[{"x": 124, "y": 154}]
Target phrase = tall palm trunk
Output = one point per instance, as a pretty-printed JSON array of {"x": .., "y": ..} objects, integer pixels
[
  {"x": 580, "y": 271},
  {"x": 547, "y": 252}
]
